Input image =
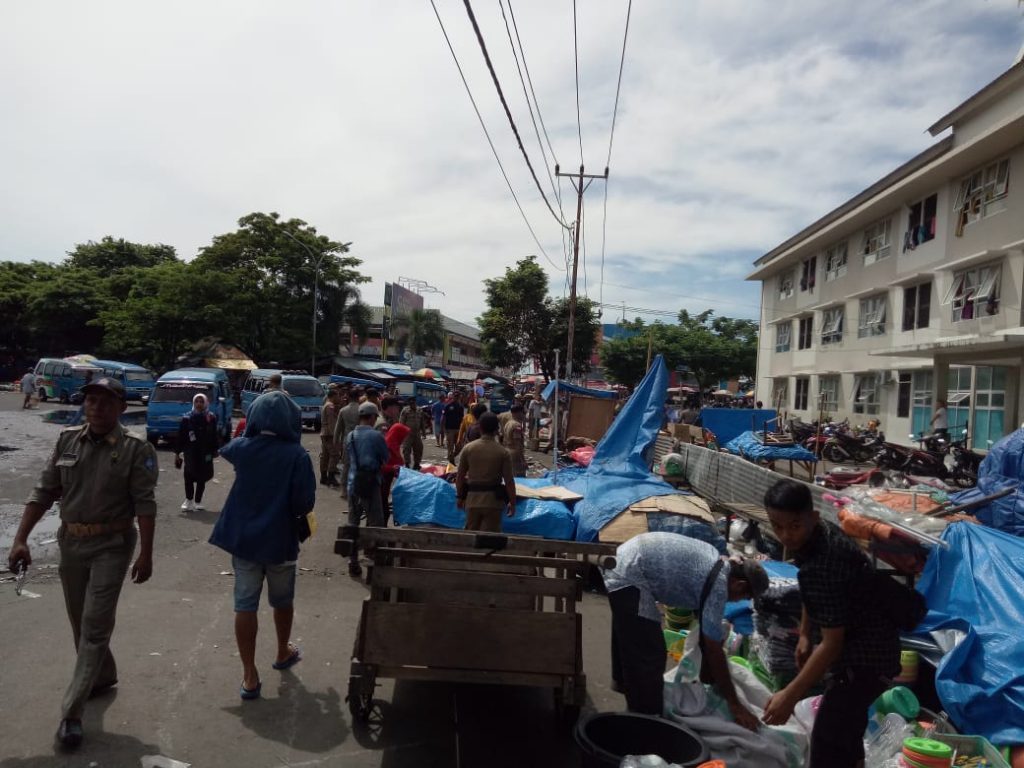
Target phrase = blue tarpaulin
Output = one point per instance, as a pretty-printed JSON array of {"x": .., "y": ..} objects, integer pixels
[
  {"x": 564, "y": 386},
  {"x": 974, "y": 587},
  {"x": 419, "y": 499},
  {"x": 749, "y": 447},
  {"x": 727, "y": 423},
  {"x": 618, "y": 475},
  {"x": 1003, "y": 466}
]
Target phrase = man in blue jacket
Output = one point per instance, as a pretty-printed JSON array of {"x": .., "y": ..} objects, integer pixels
[
  {"x": 367, "y": 453},
  {"x": 274, "y": 485}
]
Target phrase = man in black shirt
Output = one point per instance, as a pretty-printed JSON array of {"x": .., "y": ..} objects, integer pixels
[
  {"x": 859, "y": 648},
  {"x": 452, "y": 415}
]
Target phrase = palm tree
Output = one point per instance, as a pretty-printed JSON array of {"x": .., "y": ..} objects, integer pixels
[{"x": 421, "y": 331}]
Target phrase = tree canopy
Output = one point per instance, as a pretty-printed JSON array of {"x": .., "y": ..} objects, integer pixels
[
  {"x": 421, "y": 331},
  {"x": 712, "y": 348},
  {"x": 523, "y": 323},
  {"x": 138, "y": 302}
]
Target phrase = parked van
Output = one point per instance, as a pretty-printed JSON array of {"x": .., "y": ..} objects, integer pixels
[
  {"x": 172, "y": 398},
  {"x": 425, "y": 392},
  {"x": 306, "y": 391},
  {"x": 138, "y": 382},
  {"x": 355, "y": 381},
  {"x": 60, "y": 379}
]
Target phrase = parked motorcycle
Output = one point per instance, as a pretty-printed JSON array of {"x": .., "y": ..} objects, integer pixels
[
  {"x": 965, "y": 462},
  {"x": 913, "y": 461}
]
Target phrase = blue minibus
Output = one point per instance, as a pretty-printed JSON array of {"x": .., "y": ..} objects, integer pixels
[
  {"x": 305, "y": 390},
  {"x": 60, "y": 379},
  {"x": 172, "y": 398},
  {"x": 138, "y": 382},
  {"x": 425, "y": 392}
]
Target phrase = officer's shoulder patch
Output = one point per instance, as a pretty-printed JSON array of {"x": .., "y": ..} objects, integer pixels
[{"x": 150, "y": 463}]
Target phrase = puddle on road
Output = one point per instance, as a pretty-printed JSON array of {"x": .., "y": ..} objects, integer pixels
[
  {"x": 42, "y": 541},
  {"x": 73, "y": 416}
]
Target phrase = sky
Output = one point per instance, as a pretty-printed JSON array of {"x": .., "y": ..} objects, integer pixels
[{"x": 738, "y": 124}]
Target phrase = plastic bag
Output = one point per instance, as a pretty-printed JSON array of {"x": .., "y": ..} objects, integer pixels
[{"x": 887, "y": 741}]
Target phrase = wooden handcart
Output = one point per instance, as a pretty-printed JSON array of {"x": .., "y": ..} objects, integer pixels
[{"x": 468, "y": 607}]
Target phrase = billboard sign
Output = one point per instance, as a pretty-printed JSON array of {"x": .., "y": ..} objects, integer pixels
[{"x": 399, "y": 302}]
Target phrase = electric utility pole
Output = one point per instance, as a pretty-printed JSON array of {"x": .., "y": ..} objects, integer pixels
[{"x": 577, "y": 183}]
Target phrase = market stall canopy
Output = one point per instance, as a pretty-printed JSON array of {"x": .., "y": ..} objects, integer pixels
[
  {"x": 564, "y": 386},
  {"x": 426, "y": 373},
  {"x": 722, "y": 393},
  {"x": 229, "y": 364}
]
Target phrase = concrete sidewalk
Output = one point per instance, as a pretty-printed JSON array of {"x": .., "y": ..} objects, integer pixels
[{"x": 180, "y": 673}]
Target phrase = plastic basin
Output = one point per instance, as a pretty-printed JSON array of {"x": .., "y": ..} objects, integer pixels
[{"x": 605, "y": 738}]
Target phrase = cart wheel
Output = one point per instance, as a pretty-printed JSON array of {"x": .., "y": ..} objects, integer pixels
[{"x": 360, "y": 698}]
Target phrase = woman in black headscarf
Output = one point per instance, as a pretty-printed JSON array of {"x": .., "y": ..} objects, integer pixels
[{"x": 198, "y": 443}]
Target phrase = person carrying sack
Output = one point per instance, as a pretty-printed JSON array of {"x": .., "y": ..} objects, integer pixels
[
  {"x": 674, "y": 570},
  {"x": 367, "y": 453}
]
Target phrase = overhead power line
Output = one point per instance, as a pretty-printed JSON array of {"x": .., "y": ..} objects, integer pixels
[
  {"x": 611, "y": 139},
  {"x": 576, "y": 59},
  {"x": 508, "y": 112},
  {"x": 522, "y": 53},
  {"x": 489, "y": 141}
]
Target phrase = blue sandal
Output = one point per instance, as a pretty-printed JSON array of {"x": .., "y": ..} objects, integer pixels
[
  {"x": 291, "y": 661},
  {"x": 248, "y": 694}
]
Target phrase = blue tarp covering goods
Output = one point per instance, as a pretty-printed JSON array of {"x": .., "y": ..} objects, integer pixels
[
  {"x": 749, "y": 446},
  {"x": 564, "y": 386},
  {"x": 618, "y": 475},
  {"x": 1003, "y": 466},
  {"x": 727, "y": 423},
  {"x": 974, "y": 587},
  {"x": 419, "y": 499}
]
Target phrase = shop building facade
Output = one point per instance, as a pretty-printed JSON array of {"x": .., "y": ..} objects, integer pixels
[{"x": 912, "y": 291}]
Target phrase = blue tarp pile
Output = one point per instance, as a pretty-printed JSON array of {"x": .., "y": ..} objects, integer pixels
[
  {"x": 618, "y": 475},
  {"x": 974, "y": 588},
  {"x": 727, "y": 423},
  {"x": 564, "y": 386},
  {"x": 1003, "y": 466},
  {"x": 749, "y": 447},
  {"x": 419, "y": 499}
]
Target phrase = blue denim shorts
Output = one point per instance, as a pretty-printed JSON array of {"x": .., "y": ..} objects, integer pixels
[{"x": 249, "y": 584}]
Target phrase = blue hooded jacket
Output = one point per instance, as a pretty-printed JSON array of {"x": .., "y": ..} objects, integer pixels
[{"x": 274, "y": 482}]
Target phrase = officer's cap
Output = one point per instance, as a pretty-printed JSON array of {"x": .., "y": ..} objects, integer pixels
[{"x": 105, "y": 385}]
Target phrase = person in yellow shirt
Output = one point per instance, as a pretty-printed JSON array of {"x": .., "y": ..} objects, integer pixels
[{"x": 469, "y": 429}]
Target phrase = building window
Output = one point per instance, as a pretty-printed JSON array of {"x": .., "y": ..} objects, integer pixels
[
  {"x": 780, "y": 394},
  {"x": 876, "y": 241},
  {"x": 981, "y": 194},
  {"x": 975, "y": 292},
  {"x": 958, "y": 397},
  {"x": 785, "y": 286},
  {"x": 921, "y": 223},
  {"x": 903, "y": 394},
  {"x": 917, "y": 305},
  {"x": 872, "y": 316},
  {"x": 921, "y": 396},
  {"x": 782, "y": 335},
  {"x": 832, "y": 325},
  {"x": 865, "y": 394},
  {"x": 989, "y": 406},
  {"x": 828, "y": 389},
  {"x": 805, "y": 333},
  {"x": 808, "y": 273},
  {"x": 803, "y": 385},
  {"x": 835, "y": 261}
]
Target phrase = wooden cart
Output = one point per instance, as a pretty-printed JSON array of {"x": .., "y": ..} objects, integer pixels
[{"x": 458, "y": 606}]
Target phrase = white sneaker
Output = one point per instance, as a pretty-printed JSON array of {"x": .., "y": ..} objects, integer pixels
[
  {"x": 197, "y": 507},
  {"x": 188, "y": 505}
]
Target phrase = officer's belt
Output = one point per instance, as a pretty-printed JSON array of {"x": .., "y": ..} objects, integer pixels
[{"x": 86, "y": 530}]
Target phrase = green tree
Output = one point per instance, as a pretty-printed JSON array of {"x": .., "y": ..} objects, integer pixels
[
  {"x": 110, "y": 255},
  {"x": 272, "y": 265},
  {"x": 523, "y": 323},
  {"x": 421, "y": 331},
  {"x": 19, "y": 282},
  {"x": 61, "y": 310}
]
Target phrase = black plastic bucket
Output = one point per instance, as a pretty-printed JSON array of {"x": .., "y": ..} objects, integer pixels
[{"x": 605, "y": 738}]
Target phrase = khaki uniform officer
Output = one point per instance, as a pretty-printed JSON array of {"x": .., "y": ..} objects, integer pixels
[
  {"x": 412, "y": 448},
  {"x": 329, "y": 450},
  {"x": 485, "y": 484},
  {"x": 514, "y": 438},
  {"x": 104, "y": 478}
]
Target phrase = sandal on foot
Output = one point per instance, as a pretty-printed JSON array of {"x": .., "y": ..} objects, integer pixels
[
  {"x": 69, "y": 733},
  {"x": 248, "y": 694},
  {"x": 294, "y": 658}
]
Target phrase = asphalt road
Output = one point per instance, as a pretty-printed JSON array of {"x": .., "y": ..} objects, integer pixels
[{"x": 179, "y": 668}]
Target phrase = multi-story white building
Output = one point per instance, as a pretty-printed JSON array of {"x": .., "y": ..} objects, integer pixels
[{"x": 911, "y": 292}]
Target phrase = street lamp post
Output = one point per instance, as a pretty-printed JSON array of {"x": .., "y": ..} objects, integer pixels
[{"x": 316, "y": 290}]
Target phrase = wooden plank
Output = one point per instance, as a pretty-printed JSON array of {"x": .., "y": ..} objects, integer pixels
[
  {"x": 435, "y": 537},
  {"x": 451, "y": 637},
  {"x": 555, "y": 492},
  {"x": 483, "y": 557},
  {"x": 436, "y": 580},
  {"x": 485, "y": 676}
]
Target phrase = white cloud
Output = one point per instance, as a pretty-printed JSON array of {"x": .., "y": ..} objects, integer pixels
[{"x": 739, "y": 124}]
